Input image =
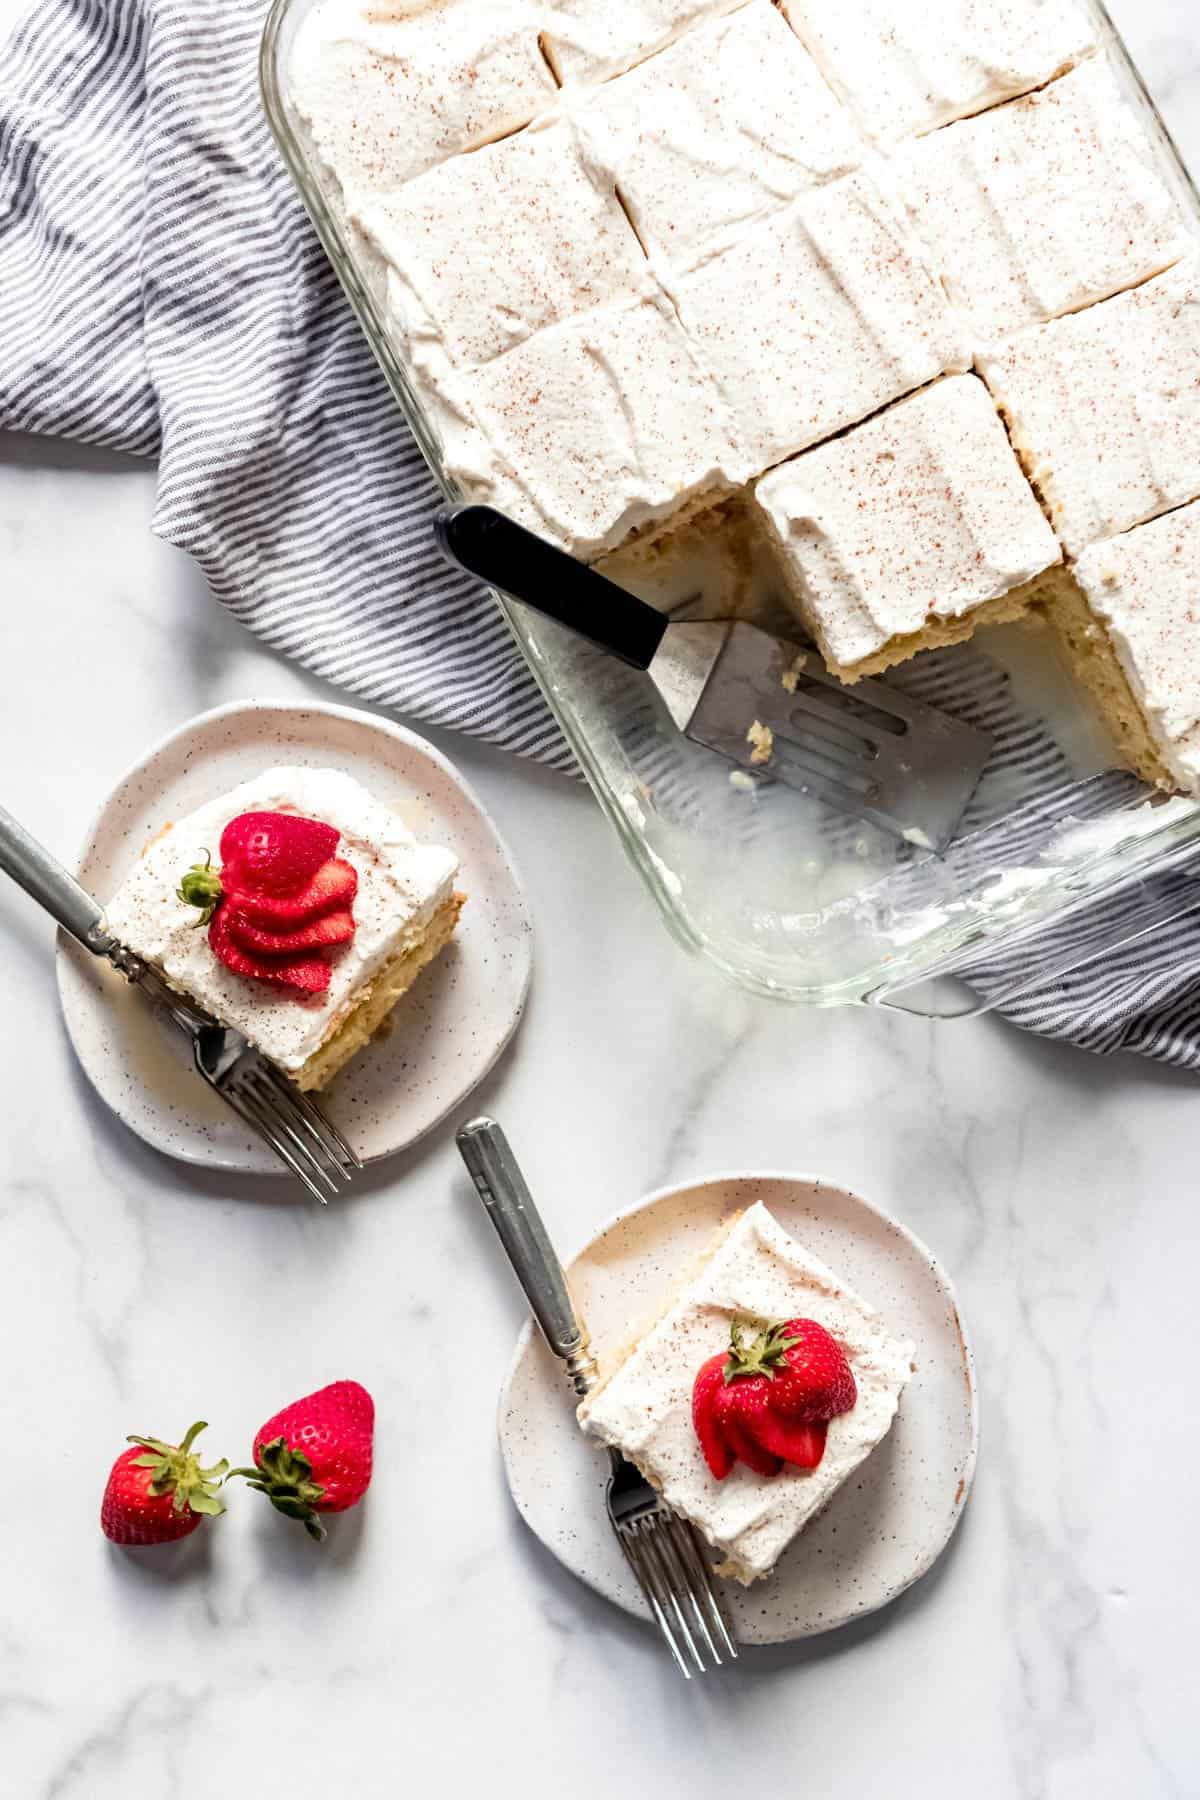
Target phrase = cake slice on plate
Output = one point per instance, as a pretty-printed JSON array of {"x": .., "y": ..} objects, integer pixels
[
  {"x": 759, "y": 1390},
  {"x": 297, "y": 909}
]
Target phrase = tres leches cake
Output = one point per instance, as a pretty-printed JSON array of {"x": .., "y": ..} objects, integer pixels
[
  {"x": 760, "y": 1389},
  {"x": 1043, "y": 206},
  {"x": 1104, "y": 407},
  {"x": 386, "y": 93},
  {"x": 1131, "y": 627},
  {"x": 910, "y": 67},
  {"x": 297, "y": 909},
  {"x": 647, "y": 264},
  {"x": 585, "y": 41},
  {"x": 727, "y": 126},
  {"x": 907, "y": 532},
  {"x": 817, "y": 315}
]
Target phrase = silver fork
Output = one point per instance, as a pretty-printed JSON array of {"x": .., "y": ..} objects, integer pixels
[
  {"x": 285, "y": 1119},
  {"x": 659, "y": 1546}
]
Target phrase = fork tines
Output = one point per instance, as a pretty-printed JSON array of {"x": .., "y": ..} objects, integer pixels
[
  {"x": 675, "y": 1578},
  {"x": 288, "y": 1121}
]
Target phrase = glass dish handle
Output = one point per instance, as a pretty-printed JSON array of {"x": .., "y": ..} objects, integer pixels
[{"x": 1046, "y": 950}]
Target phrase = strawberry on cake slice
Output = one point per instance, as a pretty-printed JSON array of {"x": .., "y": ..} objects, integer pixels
[
  {"x": 763, "y": 1385},
  {"x": 303, "y": 927}
]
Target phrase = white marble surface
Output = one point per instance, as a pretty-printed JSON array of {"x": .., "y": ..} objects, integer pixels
[{"x": 432, "y": 1643}]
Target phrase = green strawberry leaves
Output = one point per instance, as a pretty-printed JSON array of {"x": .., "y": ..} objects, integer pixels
[
  {"x": 175, "y": 1470},
  {"x": 201, "y": 887},
  {"x": 763, "y": 1356},
  {"x": 284, "y": 1475}
]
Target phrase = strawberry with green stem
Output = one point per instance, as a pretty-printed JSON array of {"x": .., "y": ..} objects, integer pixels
[
  {"x": 315, "y": 1456},
  {"x": 157, "y": 1492},
  {"x": 768, "y": 1400},
  {"x": 280, "y": 899}
]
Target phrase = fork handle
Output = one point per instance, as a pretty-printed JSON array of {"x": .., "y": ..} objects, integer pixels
[
  {"x": 509, "y": 1205},
  {"x": 45, "y": 880}
]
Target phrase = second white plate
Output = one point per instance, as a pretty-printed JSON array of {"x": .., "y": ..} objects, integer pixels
[
  {"x": 883, "y": 1529},
  {"x": 445, "y": 1035}
]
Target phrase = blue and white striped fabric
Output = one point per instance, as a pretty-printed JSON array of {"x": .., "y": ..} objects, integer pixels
[{"x": 162, "y": 292}]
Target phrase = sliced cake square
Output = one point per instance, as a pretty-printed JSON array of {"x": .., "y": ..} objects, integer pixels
[
  {"x": 587, "y": 41},
  {"x": 592, "y": 429},
  {"x": 909, "y": 531},
  {"x": 386, "y": 93},
  {"x": 1042, "y": 206},
  {"x": 394, "y": 896},
  {"x": 548, "y": 241},
  {"x": 722, "y": 129},
  {"x": 909, "y": 67},
  {"x": 818, "y": 316},
  {"x": 755, "y": 1274},
  {"x": 1104, "y": 407},
  {"x": 1132, "y": 630}
]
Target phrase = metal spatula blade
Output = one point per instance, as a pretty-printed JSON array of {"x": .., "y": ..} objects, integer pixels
[
  {"x": 764, "y": 703},
  {"x": 869, "y": 750}
]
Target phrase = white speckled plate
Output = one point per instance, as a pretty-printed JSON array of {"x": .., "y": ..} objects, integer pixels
[
  {"x": 445, "y": 1035},
  {"x": 881, "y": 1531}
]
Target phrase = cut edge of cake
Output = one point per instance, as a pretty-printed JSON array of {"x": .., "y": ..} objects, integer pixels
[
  {"x": 378, "y": 998},
  {"x": 937, "y": 634},
  {"x": 1092, "y": 658}
]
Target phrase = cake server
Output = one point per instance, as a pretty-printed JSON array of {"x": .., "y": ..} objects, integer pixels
[
  {"x": 286, "y": 1120},
  {"x": 766, "y": 704},
  {"x": 660, "y": 1547}
]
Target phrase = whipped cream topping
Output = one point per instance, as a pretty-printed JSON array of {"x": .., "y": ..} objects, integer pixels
[
  {"x": 588, "y": 40},
  {"x": 728, "y": 125},
  {"x": 645, "y": 1408},
  {"x": 588, "y": 429},
  {"x": 1104, "y": 407},
  {"x": 401, "y": 884},
  {"x": 548, "y": 240},
  {"x": 1043, "y": 206},
  {"x": 1146, "y": 588},
  {"x": 921, "y": 513},
  {"x": 907, "y": 66},
  {"x": 819, "y": 316},
  {"x": 387, "y": 91}
]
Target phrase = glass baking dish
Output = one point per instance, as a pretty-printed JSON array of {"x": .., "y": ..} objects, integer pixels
[{"x": 788, "y": 898}]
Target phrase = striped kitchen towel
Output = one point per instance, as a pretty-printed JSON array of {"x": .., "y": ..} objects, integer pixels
[{"x": 162, "y": 292}]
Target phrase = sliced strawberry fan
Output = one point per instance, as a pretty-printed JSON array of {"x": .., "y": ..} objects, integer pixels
[{"x": 279, "y": 902}]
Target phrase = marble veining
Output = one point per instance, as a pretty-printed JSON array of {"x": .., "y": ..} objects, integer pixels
[{"x": 1049, "y": 1656}]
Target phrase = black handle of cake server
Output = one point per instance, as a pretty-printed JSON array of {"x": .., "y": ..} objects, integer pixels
[{"x": 527, "y": 568}]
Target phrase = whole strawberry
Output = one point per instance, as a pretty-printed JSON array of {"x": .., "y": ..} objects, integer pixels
[
  {"x": 158, "y": 1492},
  {"x": 315, "y": 1456}
]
